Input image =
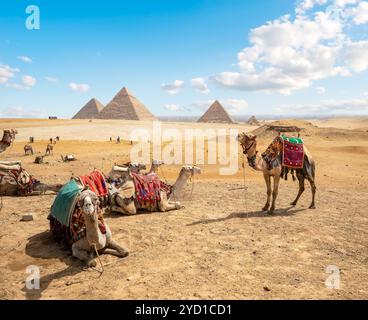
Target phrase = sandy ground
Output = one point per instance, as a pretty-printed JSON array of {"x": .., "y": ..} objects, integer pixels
[{"x": 221, "y": 246}]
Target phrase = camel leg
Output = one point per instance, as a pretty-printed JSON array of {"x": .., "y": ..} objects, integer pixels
[
  {"x": 269, "y": 191},
  {"x": 276, "y": 182},
  {"x": 121, "y": 252},
  {"x": 301, "y": 189},
  {"x": 165, "y": 205},
  {"x": 313, "y": 187},
  {"x": 81, "y": 250}
]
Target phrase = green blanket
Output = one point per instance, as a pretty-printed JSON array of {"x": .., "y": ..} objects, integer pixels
[
  {"x": 292, "y": 140},
  {"x": 65, "y": 201}
]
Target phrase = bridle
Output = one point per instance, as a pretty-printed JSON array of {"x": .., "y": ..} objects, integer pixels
[{"x": 251, "y": 160}]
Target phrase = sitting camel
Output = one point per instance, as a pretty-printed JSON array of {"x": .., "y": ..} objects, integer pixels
[
  {"x": 28, "y": 149},
  {"x": 275, "y": 169},
  {"x": 122, "y": 198},
  {"x": 15, "y": 181},
  {"x": 49, "y": 149},
  {"x": 98, "y": 236},
  {"x": 7, "y": 140}
]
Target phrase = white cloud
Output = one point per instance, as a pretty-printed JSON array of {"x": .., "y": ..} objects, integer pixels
[
  {"x": 321, "y": 90},
  {"x": 29, "y": 81},
  {"x": 360, "y": 13},
  {"x": 25, "y": 59},
  {"x": 173, "y": 107},
  {"x": 289, "y": 54},
  {"x": 20, "y": 112},
  {"x": 235, "y": 106},
  {"x": 79, "y": 87},
  {"x": 6, "y": 73},
  {"x": 200, "y": 85},
  {"x": 173, "y": 88},
  {"x": 51, "y": 79},
  {"x": 328, "y": 107}
]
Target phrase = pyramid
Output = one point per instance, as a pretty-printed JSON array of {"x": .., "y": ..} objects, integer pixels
[
  {"x": 253, "y": 121},
  {"x": 216, "y": 114},
  {"x": 90, "y": 110},
  {"x": 125, "y": 106}
]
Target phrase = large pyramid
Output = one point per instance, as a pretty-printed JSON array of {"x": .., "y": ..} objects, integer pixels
[
  {"x": 216, "y": 114},
  {"x": 90, "y": 110},
  {"x": 126, "y": 106}
]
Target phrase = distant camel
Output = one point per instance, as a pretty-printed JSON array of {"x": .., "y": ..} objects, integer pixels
[
  {"x": 49, "y": 149},
  {"x": 28, "y": 149},
  {"x": 275, "y": 169},
  {"x": 7, "y": 140}
]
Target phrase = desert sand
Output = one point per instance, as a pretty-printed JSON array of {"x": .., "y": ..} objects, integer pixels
[{"x": 220, "y": 246}]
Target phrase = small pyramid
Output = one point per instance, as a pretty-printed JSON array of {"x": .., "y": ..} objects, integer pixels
[
  {"x": 253, "y": 121},
  {"x": 127, "y": 107},
  {"x": 90, "y": 110},
  {"x": 216, "y": 114}
]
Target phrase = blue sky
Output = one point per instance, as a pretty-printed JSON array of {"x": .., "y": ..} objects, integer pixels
[{"x": 178, "y": 56}]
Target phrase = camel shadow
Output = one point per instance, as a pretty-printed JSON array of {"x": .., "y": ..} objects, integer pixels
[
  {"x": 43, "y": 246},
  {"x": 288, "y": 212}
]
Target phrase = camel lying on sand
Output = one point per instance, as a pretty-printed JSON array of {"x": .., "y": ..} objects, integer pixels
[
  {"x": 123, "y": 196},
  {"x": 275, "y": 169},
  {"x": 97, "y": 239},
  {"x": 7, "y": 140},
  {"x": 15, "y": 181}
]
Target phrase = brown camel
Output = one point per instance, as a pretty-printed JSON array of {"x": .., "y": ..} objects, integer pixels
[
  {"x": 49, "y": 149},
  {"x": 15, "y": 181},
  {"x": 28, "y": 149},
  {"x": 275, "y": 169},
  {"x": 7, "y": 140},
  {"x": 94, "y": 241}
]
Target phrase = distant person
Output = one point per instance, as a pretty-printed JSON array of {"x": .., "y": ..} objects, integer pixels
[
  {"x": 57, "y": 138},
  {"x": 118, "y": 140},
  {"x": 50, "y": 140},
  {"x": 110, "y": 139}
]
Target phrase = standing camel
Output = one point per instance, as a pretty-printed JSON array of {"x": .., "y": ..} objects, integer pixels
[
  {"x": 7, "y": 140},
  {"x": 49, "y": 149},
  {"x": 271, "y": 165},
  {"x": 123, "y": 199},
  {"x": 28, "y": 149}
]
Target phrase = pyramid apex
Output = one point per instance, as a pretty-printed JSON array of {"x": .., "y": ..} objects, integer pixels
[{"x": 126, "y": 91}]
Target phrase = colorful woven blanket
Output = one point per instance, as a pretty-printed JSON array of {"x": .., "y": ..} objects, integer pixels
[
  {"x": 293, "y": 153},
  {"x": 65, "y": 201},
  {"x": 96, "y": 183}
]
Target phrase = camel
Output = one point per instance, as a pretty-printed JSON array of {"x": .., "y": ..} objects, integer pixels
[
  {"x": 68, "y": 158},
  {"x": 7, "y": 140},
  {"x": 28, "y": 149},
  {"x": 49, "y": 149},
  {"x": 95, "y": 240},
  {"x": 249, "y": 145},
  {"x": 120, "y": 171},
  {"x": 15, "y": 181},
  {"x": 122, "y": 200},
  {"x": 39, "y": 159}
]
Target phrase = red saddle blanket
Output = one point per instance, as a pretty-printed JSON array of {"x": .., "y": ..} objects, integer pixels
[
  {"x": 148, "y": 187},
  {"x": 293, "y": 155},
  {"x": 96, "y": 182}
]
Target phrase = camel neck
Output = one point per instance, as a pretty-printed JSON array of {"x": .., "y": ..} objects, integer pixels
[
  {"x": 179, "y": 185},
  {"x": 93, "y": 231}
]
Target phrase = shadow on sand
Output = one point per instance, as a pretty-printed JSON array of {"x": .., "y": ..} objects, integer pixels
[
  {"x": 43, "y": 246},
  {"x": 291, "y": 211}
]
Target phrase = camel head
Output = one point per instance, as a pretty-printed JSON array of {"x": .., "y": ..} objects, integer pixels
[
  {"x": 247, "y": 141},
  {"x": 88, "y": 202},
  {"x": 157, "y": 163},
  {"x": 190, "y": 170},
  {"x": 42, "y": 187},
  {"x": 9, "y": 136},
  {"x": 136, "y": 167}
]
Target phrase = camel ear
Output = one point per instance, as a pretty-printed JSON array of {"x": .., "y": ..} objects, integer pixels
[{"x": 254, "y": 137}]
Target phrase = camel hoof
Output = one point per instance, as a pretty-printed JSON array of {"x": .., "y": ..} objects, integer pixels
[
  {"x": 265, "y": 208},
  {"x": 91, "y": 263},
  {"x": 312, "y": 207},
  {"x": 123, "y": 254}
]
